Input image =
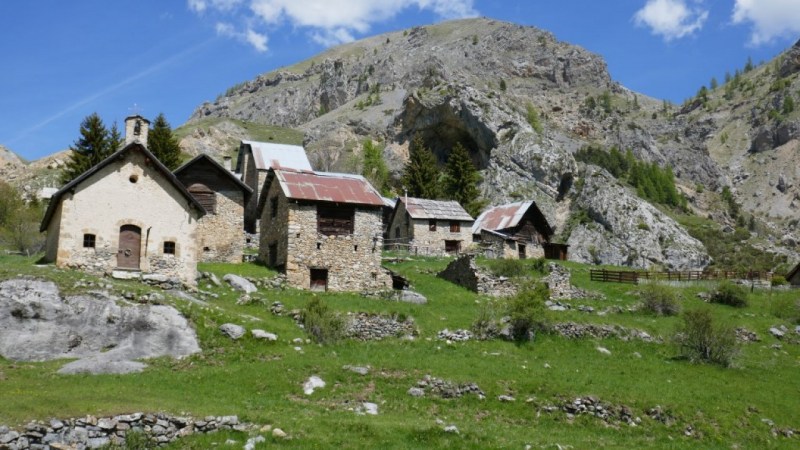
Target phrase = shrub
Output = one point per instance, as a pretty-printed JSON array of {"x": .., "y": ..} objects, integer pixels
[
  {"x": 527, "y": 313},
  {"x": 659, "y": 300},
  {"x": 778, "y": 280},
  {"x": 324, "y": 325},
  {"x": 730, "y": 294},
  {"x": 508, "y": 268},
  {"x": 486, "y": 325},
  {"x": 701, "y": 340}
]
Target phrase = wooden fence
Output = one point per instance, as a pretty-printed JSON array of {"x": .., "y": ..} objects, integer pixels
[{"x": 630, "y": 276}]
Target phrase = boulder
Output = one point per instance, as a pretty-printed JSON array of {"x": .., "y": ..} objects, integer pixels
[
  {"x": 261, "y": 334},
  {"x": 408, "y": 296},
  {"x": 240, "y": 284},
  {"x": 232, "y": 330}
]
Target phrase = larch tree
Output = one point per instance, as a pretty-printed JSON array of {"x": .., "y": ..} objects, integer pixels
[
  {"x": 421, "y": 174},
  {"x": 95, "y": 144},
  {"x": 163, "y": 144},
  {"x": 375, "y": 169}
]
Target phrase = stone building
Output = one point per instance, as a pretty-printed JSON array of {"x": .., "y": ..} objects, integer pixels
[
  {"x": 323, "y": 230},
  {"x": 431, "y": 227},
  {"x": 254, "y": 161},
  {"x": 127, "y": 216},
  {"x": 220, "y": 233},
  {"x": 515, "y": 230}
]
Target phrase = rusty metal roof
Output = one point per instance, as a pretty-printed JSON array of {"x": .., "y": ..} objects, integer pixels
[
  {"x": 268, "y": 155},
  {"x": 328, "y": 187},
  {"x": 422, "y": 208},
  {"x": 501, "y": 217}
]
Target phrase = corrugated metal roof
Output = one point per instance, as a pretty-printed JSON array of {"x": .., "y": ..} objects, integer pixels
[
  {"x": 501, "y": 217},
  {"x": 328, "y": 187},
  {"x": 268, "y": 155},
  {"x": 422, "y": 208}
]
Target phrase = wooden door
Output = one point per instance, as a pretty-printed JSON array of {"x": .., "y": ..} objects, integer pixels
[{"x": 130, "y": 242}]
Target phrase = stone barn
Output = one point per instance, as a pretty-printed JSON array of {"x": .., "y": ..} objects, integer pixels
[
  {"x": 128, "y": 216},
  {"x": 254, "y": 161},
  {"x": 431, "y": 227},
  {"x": 323, "y": 230},
  {"x": 515, "y": 230},
  {"x": 220, "y": 233}
]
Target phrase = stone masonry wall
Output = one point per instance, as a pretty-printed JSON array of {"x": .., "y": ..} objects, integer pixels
[
  {"x": 126, "y": 192},
  {"x": 221, "y": 235},
  {"x": 433, "y": 241},
  {"x": 353, "y": 261},
  {"x": 464, "y": 272},
  {"x": 274, "y": 230}
]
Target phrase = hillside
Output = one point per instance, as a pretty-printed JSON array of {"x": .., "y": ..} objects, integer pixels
[
  {"x": 435, "y": 389},
  {"x": 524, "y": 103}
]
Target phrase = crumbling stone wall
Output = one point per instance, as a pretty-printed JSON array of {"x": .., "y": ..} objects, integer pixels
[{"x": 464, "y": 272}]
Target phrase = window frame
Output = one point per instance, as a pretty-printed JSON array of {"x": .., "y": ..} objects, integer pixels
[
  {"x": 336, "y": 220},
  {"x": 455, "y": 226},
  {"x": 91, "y": 239},
  {"x": 167, "y": 246}
]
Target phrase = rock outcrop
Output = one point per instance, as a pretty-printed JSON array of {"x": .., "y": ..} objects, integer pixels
[
  {"x": 38, "y": 324},
  {"x": 628, "y": 231}
]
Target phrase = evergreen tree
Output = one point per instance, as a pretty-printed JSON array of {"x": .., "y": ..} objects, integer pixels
[
  {"x": 421, "y": 174},
  {"x": 163, "y": 144},
  {"x": 461, "y": 180},
  {"x": 375, "y": 169},
  {"x": 95, "y": 144}
]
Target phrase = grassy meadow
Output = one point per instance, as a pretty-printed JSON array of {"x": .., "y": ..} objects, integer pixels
[{"x": 261, "y": 382}]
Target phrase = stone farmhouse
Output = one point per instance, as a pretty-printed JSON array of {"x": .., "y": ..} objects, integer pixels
[
  {"x": 127, "y": 216},
  {"x": 515, "y": 231},
  {"x": 220, "y": 233},
  {"x": 432, "y": 227},
  {"x": 323, "y": 230},
  {"x": 254, "y": 161}
]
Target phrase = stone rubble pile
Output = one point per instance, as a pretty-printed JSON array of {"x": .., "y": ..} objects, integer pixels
[
  {"x": 574, "y": 330},
  {"x": 464, "y": 272},
  {"x": 745, "y": 335},
  {"x": 607, "y": 412},
  {"x": 455, "y": 335},
  {"x": 368, "y": 327},
  {"x": 448, "y": 389},
  {"x": 92, "y": 432}
]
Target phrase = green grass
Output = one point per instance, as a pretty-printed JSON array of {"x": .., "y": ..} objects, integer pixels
[{"x": 262, "y": 382}]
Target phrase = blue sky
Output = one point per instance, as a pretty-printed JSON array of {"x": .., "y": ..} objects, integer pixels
[{"x": 64, "y": 60}]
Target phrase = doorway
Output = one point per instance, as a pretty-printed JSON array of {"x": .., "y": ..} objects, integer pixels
[
  {"x": 130, "y": 243},
  {"x": 319, "y": 279},
  {"x": 521, "y": 251}
]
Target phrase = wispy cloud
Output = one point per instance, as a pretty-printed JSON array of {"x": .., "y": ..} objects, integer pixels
[
  {"x": 255, "y": 39},
  {"x": 107, "y": 90},
  {"x": 770, "y": 19},
  {"x": 671, "y": 19},
  {"x": 328, "y": 22}
]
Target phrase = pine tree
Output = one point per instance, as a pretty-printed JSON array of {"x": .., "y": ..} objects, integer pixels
[
  {"x": 375, "y": 169},
  {"x": 421, "y": 174},
  {"x": 461, "y": 180},
  {"x": 163, "y": 144},
  {"x": 95, "y": 144}
]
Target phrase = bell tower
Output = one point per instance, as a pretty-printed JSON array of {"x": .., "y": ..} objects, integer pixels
[{"x": 136, "y": 128}]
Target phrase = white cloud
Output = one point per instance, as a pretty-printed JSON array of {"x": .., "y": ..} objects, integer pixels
[
  {"x": 255, "y": 39},
  {"x": 770, "y": 19},
  {"x": 328, "y": 22},
  {"x": 672, "y": 19}
]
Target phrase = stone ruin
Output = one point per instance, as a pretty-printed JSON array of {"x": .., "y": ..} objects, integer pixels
[{"x": 464, "y": 272}]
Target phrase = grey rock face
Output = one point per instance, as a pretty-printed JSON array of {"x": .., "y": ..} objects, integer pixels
[
  {"x": 240, "y": 284},
  {"x": 628, "y": 231},
  {"x": 37, "y": 324}
]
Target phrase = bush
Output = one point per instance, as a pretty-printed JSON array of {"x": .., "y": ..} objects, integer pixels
[
  {"x": 324, "y": 325},
  {"x": 730, "y": 294},
  {"x": 701, "y": 340},
  {"x": 659, "y": 300},
  {"x": 506, "y": 267},
  {"x": 778, "y": 280},
  {"x": 527, "y": 313}
]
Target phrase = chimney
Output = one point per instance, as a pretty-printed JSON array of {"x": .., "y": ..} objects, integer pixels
[
  {"x": 136, "y": 128},
  {"x": 226, "y": 163}
]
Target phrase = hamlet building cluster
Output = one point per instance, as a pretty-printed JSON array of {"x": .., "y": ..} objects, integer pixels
[{"x": 131, "y": 217}]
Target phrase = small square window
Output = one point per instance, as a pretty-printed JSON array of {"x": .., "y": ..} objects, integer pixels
[
  {"x": 89, "y": 241},
  {"x": 169, "y": 248},
  {"x": 432, "y": 225},
  {"x": 455, "y": 226}
]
